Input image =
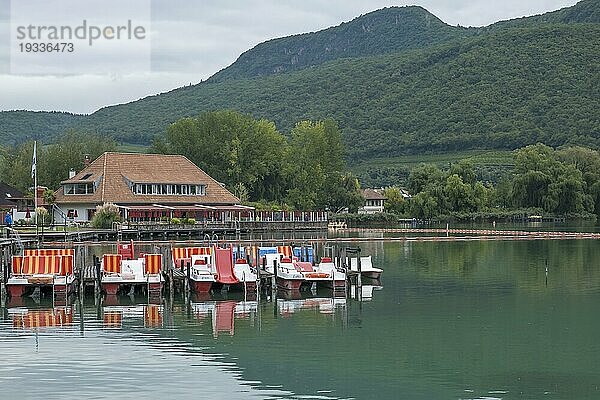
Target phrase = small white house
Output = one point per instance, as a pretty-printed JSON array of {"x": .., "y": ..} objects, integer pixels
[{"x": 374, "y": 201}]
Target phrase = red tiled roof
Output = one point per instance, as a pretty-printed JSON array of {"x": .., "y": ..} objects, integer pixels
[{"x": 114, "y": 170}]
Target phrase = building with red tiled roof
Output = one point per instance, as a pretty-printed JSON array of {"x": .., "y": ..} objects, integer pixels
[{"x": 144, "y": 187}]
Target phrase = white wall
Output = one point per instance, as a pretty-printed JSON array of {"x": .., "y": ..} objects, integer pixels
[
  {"x": 17, "y": 215},
  {"x": 82, "y": 214}
]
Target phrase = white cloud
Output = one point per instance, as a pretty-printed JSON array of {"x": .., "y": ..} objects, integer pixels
[{"x": 193, "y": 40}]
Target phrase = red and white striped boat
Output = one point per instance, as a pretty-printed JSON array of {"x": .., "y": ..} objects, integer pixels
[
  {"x": 48, "y": 269},
  {"x": 118, "y": 273}
]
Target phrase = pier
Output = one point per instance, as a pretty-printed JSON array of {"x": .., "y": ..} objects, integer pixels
[
  {"x": 156, "y": 231},
  {"x": 176, "y": 279}
]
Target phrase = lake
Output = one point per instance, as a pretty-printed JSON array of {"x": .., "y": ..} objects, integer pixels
[{"x": 449, "y": 320}]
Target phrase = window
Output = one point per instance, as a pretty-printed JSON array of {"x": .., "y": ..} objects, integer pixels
[
  {"x": 166, "y": 189},
  {"x": 79, "y": 188}
]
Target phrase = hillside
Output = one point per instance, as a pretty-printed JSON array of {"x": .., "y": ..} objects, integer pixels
[
  {"x": 501, "y": 88},
  {"x": 20, "y": 126},
  {"x": 384, "y": 31},
  {"x": 584, "y": 12}
]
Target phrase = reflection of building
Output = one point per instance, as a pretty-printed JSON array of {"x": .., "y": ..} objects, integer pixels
[
  {"x": 146, "y": 187},
  {"x": 374, "y": 200}
]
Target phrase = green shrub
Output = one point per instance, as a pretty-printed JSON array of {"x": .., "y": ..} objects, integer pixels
[
  {"x": 43, "y": 217},
  {"x": 175, "y": 221},
  {"x": 105, "y": 216}
]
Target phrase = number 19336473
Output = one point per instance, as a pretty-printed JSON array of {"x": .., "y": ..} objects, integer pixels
[{"x": 35, "y": 47}]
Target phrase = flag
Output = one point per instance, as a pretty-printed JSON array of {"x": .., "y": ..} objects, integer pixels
[{"x": 34, "y": 161}]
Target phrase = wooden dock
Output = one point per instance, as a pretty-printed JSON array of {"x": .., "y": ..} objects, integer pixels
[{"x": 155, "y": 231}]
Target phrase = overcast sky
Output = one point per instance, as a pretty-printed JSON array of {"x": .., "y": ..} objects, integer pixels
[{"x": 191, "y": 40}]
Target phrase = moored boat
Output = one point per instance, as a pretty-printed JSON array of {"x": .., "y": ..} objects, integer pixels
[
  {"x": 245, "y": 274},
  {"x": 323, "y": 274},
  {"x": 366, "y": 267},
  {"x": 287, "y": 276},
  {"x": 121, "y": 274},
  {"x": 214, "y": 266},
  {"x": 202, "y": 272},
  {"x": 51, "y": 270}
]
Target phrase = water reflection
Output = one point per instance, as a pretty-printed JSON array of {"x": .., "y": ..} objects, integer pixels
[
  {"x": 36, "y": 319},
  {"x": 453, "y": 320},
  {"x": 224, "y": 313},
  {"x": 114, "y": 315}
]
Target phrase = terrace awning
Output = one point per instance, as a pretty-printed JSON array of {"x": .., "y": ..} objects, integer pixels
[
  {"x": 158, "y": 210},
  {"x": 232, "y": 207}
]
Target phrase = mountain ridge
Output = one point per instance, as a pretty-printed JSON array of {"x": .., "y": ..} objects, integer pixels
[
  {"x": 383, "y": 31},
  {"x": 366, "y": 120}
]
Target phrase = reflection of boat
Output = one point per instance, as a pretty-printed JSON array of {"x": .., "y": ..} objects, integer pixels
[
  {"x": 325, "y": 305},
  {"x": 23, "y": 318},
  {"x": 152, "y": 315},
  {"x": 119, "y": 273},
  {"x": 366, "y": 292},
  {"x": 224, "y": 313},
  {"x": 48, "y": 269},
  {"x": 366, "y": 267}
]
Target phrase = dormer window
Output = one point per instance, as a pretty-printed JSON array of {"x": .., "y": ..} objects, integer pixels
[{"x": 79, "y": 188}]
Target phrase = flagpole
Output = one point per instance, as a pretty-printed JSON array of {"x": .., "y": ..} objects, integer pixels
[{"x": 35, "y": 194}]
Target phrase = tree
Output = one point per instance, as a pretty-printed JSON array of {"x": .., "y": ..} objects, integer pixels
[
  {"x": 234, "y": 148},
  {"x": 542, "y": 180},
  {"x": 424, "y": 205},
  {"x": 305, "y": 165},
  {"x": 69, "y": 152},
  {"x": 17, "y": 166},
  {"x": 422, "y": 176},
  {"x": 315, "y": 168},
  {"x": 394, "y": 201},
  {"x": 457, "y": 194},
  {"x": 344, "y": 192},
  {"x": 465, "y": 170},
  {"x": 53, "y": 161}
]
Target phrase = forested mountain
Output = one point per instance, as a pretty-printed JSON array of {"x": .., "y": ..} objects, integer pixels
[
  {"x": 384, "y": 31},
  {"x": 437, "y": 88},
  {"x": 20, "y": 126},
  {"x": 585, "y": 11},
  {"x": 503, "y": 90}
]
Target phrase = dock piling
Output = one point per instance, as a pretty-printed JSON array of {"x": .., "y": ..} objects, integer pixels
[
  {"x": 274, "y": 279},
  {"x": 98, "y": 280},
  {"x": 188, "y": 276}
]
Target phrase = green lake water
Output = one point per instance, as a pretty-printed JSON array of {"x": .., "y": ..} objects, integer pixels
[{"x": 451, "y": 320}]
